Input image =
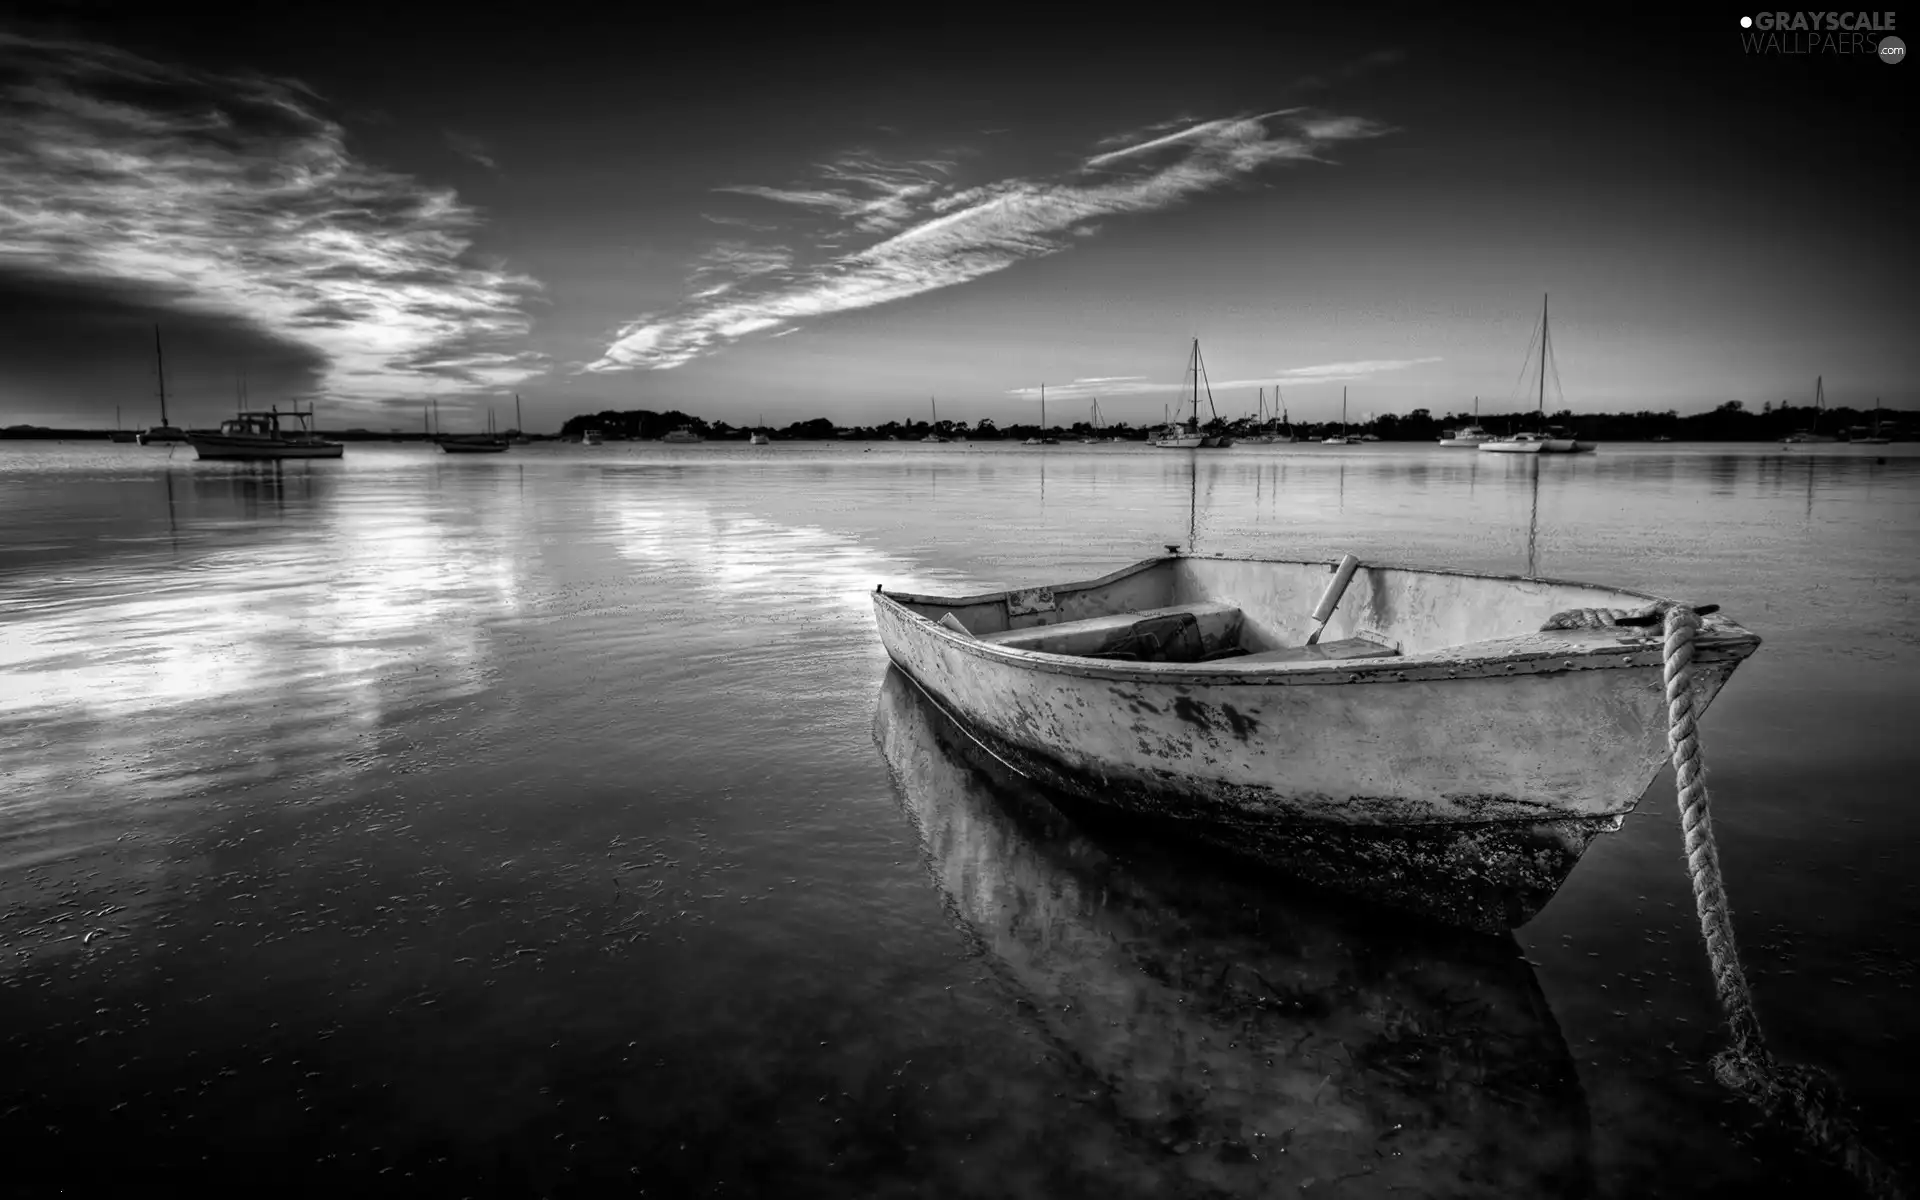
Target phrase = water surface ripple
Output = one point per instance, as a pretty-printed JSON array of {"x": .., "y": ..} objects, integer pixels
[{"x": 550, "y": 822}]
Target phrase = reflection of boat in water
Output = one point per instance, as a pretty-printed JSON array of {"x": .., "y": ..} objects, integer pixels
[
  {"x": 1269, "y": 1040},
  {"x": 1453, "y": 750}
]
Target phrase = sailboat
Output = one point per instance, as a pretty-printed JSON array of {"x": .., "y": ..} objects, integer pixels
[
  {"x": 759, "y": 435},
  {"x": 1543, "y": 441},
  {"x": 1875, "y": 438},
  {"x": 1188, "y": 436},
  {"x": 933, "y": 434},
  {"x": 519, "y": 437},
  {"x": 1812, "y": 433},
  {"x": 1043, "y": 438},
  {"x": 475, "y": 443},
  {"x": 1260, "y": 436},
  {"x": 1341, "y": 438},
  {"x": 1467, "y": 435},
  {"x": 1286, "y": 433},
  {"x": 164, "y": 433}
]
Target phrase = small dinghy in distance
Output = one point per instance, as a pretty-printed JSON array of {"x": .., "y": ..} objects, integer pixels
[{"x": 1438, "y": 750}]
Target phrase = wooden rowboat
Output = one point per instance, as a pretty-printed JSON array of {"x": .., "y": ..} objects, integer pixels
[{"x": 1442, "y": 752}]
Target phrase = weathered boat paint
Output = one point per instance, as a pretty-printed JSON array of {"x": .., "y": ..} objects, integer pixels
[{"x": 1464, "y": 776}]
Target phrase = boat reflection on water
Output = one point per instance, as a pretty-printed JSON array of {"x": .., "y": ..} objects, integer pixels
[{"x": 1268, "y": 1038}]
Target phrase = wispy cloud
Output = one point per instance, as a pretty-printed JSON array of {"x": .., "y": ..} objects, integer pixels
[
  {"x": 1342, "y": 371},
  {"x": 470, "y": 147},
  {"x": 234, "y": 195},
  {"x": 940, "y": 234},
  {"x": 1140, "y": 385}
]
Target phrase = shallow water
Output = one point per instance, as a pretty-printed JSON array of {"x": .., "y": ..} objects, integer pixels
[{"x": 531, "y": 823}]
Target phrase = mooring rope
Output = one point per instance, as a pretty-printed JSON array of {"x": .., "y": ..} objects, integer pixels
[{"x": 1801, "y": 1096}]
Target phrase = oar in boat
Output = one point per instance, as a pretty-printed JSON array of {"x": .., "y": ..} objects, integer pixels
[{"x": 1330, "y": 599}]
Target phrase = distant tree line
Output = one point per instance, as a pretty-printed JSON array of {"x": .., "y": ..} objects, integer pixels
[{"x": 1731, "y": 422}]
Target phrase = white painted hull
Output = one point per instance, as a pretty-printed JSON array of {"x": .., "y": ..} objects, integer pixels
[
  {"x": 1492, "y": 750},
  {"x": 1513, "y": 447},
  {"x": 1464, "y": 443},
  {"x": 1173, "y": 983},
  {"x": 1180, "y": 443},
  {"x": 213, "y": 446}
]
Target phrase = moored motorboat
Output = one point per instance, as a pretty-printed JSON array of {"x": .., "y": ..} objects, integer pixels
[
  {"x": 1519, "y": 443},
  {"x": 256, "y": 435},
  {"x": 1443, "y": 752}
]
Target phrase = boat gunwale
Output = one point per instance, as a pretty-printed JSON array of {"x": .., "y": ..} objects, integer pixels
[{"x": 1720, "y": 640}]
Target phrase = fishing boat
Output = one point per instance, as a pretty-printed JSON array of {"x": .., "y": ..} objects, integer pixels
[
  {"x": 1445, "y": 751},
  {"x": 1189, "y": 436},
  {"x": 1341, "y": 438},
  {"x": 165, "y": 433},
  {"x": 255, "y": 435},
  {"x": 1467, "y": 435},
  {"x": 1219, "y": 1011},
  {"x": 1550, "y": 439}
]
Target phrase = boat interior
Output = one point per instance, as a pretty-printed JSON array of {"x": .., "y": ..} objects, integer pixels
[{"x": 1188, "y": 610}]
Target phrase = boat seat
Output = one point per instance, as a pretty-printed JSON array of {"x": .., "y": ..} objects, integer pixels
[
  {"x": 1150, "y": 631},
  {"x": 1320, "y": 652}
]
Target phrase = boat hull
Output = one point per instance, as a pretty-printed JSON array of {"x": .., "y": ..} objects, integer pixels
[
  {"x": 1465, "y": 787},
  {"x": 243, "y": 449},
  {"x": 1513, "y": 447},
  {"x": 474, "y": 447},
  {"x": 1463, "y": 443},
  {"x": 1180, "y": 443}
]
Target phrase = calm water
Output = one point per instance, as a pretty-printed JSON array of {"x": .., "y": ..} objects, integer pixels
[{"x": 547, "y": 823}]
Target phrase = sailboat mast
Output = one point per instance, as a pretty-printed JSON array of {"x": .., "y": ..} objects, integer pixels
[
  {"x": 1543, "y": 356},
  {"x": 1343, "y": 409},
  {"x": 518, "y": 427},
  {"x": 1043, "y": 408},
  {"x": 1196, "y": 383},
  {"x": 160, "y": 369}
]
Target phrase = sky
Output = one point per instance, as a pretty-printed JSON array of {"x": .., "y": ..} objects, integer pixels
[{"x": 780, "y": 218}]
